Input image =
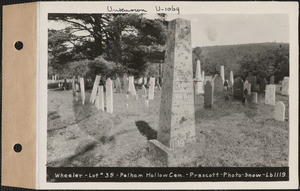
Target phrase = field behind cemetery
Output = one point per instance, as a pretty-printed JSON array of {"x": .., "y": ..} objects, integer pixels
[{"x": 228, "y": 135}]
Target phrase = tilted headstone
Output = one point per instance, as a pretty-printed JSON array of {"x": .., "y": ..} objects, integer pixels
[
  {"x": 151, "y": 89},
  {"x": 279, "y": 111},
  {"x": 253, "y": 97},
  {"x": 272, "y": 80},
  {"x": 198, "y": 80},
  {"x": 238, "y": 88},
  {"x": 231, "y": 77},
  {"x": 99, "y": 102},
  {"x": 285, "y": 86},
  {"x": 118, "y": 85},
  {"x": 131, "y": 87},
  {"x": 222, "y": 73},
  {"x": 270, "y": 94},
  {"x": 109, "y": 96},
  {"x": 94, "y": 90},
  {"x": 82, "y": 90},
  {"x": 218, "y": 85},
  {"x": 125, "y": 84},
  {"x": 208, "y": 95},
  {"x": 177, "y": 113}
]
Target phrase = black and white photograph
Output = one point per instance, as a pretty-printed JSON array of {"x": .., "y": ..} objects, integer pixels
[{"x": 168, "y": 91}]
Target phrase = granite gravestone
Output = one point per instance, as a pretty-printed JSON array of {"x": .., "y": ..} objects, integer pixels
[
  {"x": 176, "y": 133},
  {"x": 238, "y": 88},
  {"x": 218, "y": 85},
  {"x": 279, "y": 111},
  {"x": 208, "y": 95},
  {"x": 270, "y": 94}
]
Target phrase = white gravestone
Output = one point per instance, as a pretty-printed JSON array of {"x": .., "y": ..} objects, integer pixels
[
  {"x": 151, "y": 89},
  {"x": 82, "y": 90},
  {"x": 109, "y": 96},
  {"x": 285, "y": 86},
  {"x": 131, "y": 87},
  {"x": 279, "y": 111},
  {"x": 270, "y": 94}
]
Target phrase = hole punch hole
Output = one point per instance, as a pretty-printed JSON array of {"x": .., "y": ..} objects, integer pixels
[
  {"x": 18, "y": 45},
  {"x": 18, "y": 148}
]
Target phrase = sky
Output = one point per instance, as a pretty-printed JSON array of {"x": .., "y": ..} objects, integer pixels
[
  {"x": 218, "y": 29},
  {"x": 230, "y": 29}
]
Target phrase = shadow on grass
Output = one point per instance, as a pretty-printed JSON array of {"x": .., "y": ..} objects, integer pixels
[
  {"x": 79, "y": 152},
  {"x": 146, "y": 130}
]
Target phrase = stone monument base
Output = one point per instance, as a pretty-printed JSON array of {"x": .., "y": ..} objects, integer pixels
[{"x": 172, "y": 157}]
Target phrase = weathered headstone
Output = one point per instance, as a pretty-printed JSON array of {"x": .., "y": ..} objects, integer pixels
[
  {"x": 131, "y": 87},
  {"x": 279, "y": 111},
  {"x": 125, "y": 84},
  {"x": 109, "y": 96},
  {"x": 140, "y": 81},
  {"x": 270, "y": 94},
  {"x": 222, "y": 73},
  {"x": 238, "y": 88},
  {"x": 280, "y": 82},
  {"x": 208, "y": 95},
  {"x": 151, "y": 89},
  {"x": 231, "y": 77},
  {"x": 285, "y": 86},
  {"x": 272, "y": 80},
  {"x": 82, "y": 90},
  {"x": 253, "y": 97},
  {"x": 99, "y": 102},
  {"x": 94, "y": 90},
  {"x": 198, "y": 80},
  {"x": 176, "y": 131},
  {"x": 218, "y": 85},
  {"x": 118, "y": 85}
]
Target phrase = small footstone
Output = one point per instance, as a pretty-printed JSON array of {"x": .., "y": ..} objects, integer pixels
[{"x": 279, "y": 111}]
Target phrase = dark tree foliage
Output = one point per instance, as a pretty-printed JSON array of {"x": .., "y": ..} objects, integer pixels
[{"x": 129, "y": 40}]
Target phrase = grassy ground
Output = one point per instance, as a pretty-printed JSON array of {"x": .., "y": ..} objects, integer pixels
[{"x": 230, "y": 134}]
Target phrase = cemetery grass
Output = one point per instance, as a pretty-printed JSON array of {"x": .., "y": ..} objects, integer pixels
[{"x": 228, "y": 135}]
